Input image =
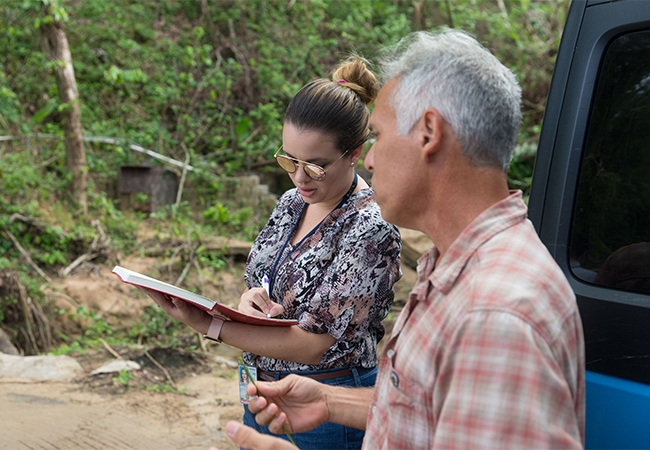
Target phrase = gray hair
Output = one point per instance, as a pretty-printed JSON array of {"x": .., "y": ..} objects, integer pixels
[{"x": 477, "y": 95}]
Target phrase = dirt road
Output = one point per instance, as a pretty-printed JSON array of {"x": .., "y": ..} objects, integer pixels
[{"x": 73, "y": 416}]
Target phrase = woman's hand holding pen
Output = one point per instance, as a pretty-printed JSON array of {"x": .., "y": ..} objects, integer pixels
[
  {"x": 181, "y": 310},
  {"x": 256, "y": 302}
]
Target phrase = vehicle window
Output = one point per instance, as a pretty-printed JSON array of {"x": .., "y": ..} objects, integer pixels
[{"x": 610, "y": 233}]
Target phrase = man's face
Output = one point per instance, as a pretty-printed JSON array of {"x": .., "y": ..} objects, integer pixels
[{"x": 393, "y": 159}]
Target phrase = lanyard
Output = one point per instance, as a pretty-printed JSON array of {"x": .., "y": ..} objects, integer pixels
[{"x": 278, "y": 263}]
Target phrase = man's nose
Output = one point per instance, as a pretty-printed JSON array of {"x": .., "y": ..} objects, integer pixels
[{"x": 369, "y": 160}]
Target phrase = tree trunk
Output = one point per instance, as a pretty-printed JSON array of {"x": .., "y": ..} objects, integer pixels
[
  {"x": 54, "y": 44},
  {"x": 418, "y": 18}
]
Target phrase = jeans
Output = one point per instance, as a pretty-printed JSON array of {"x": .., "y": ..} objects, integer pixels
[{"x": 328, "y": 435}]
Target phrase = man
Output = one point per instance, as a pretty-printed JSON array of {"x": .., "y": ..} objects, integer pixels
[{"x": 488, "y": 351}]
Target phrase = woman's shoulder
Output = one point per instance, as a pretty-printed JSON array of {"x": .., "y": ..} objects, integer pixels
[
  {"x": 290, "y": 200},
  {"x": 364, "y": 215},
  {"x": 289, "y": 196},
  {"x": 363, "y": 204}
]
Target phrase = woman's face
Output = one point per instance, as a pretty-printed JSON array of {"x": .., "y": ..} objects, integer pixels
[{"x": 318, "y": 148}]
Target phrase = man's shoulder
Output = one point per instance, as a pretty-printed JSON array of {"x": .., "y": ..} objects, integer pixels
[
  {"x": 517, "y": 249},
  {"x": 513, "y": 272}
]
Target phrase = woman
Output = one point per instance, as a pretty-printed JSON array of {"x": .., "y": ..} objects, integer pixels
[{"x": 329, "y": 258}]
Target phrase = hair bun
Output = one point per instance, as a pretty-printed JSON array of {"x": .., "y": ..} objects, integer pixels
[{"x": 358, "y": 78}]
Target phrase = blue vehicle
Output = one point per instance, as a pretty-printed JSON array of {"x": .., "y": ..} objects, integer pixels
[{"x": 590, "y": 203}]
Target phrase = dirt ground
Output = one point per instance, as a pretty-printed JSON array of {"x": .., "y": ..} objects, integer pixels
[
  {"x": 76, "y": 416},
  {"x": 98, "y": 412}
]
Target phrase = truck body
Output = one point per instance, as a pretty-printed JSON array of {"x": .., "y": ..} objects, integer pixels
[{"x": 590, "y": 204}]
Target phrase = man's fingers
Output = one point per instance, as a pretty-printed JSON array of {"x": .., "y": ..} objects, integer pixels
[
  {"x": 271, "y": 388},
  {"x": 267, "y": 416},
  {"x": 256, "y": 404},
  {"x": 250, "y": 439},
  {"x": 279, "y": 423}
]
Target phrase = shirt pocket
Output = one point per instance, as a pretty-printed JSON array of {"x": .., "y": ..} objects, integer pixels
[{"x": 410, "y": 412}]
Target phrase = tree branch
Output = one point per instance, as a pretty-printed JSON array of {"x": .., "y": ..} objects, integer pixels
[{"x": 26, "y": 255}]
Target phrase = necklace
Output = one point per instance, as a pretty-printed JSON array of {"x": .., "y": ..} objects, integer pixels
[{"x": 278, "y": 261}]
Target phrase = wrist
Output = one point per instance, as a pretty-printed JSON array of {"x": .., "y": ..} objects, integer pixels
[
  {"x": 347, "y": 406},
  {"x": 214, "y": 329}
]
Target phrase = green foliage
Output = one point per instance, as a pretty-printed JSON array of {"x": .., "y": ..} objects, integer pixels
[
  {"x": 124, "y": 377},
  {"x": 218, "y": 81},
  {"x": 156, "y": 327},
  {"x": 153, "y": 328},
  {"x": 166, "y": 387},
  {"x": 9, "y": 105},
  {"x": 45, "y": 111},
  {"x": 221, "y": 214},
  {"x": 525, "y": 35},
  {"x": 98, "y": 327},
  {"x": 213, "y": 260},
  {"x": 54, "y": 11},
  {"x": 116, "y": 76},
  {"x": 520, "y": 174},
  {"x": 223, "y": 98}
]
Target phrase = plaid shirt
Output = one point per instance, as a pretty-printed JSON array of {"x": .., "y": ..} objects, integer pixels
[{"x": 488, "y": 351}]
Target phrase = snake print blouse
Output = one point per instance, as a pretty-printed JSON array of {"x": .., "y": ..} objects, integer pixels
[{"x": 338, "y": 280}]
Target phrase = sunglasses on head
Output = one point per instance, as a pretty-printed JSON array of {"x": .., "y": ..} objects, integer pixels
[{"x": 313, "y": 171}]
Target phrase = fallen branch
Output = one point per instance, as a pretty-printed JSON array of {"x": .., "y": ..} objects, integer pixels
[
  {"x": 110, "y": 349},
  {"x": 190, "y": 261},
  {"x": 36, "y": 329},
  {"x": 29, "y": 332},
  {"x": 28, "y": 220},
  {"x": 197, "y": 266},
  {"x": 26, "y": 255},
  {"x": 202, "y": 342},
  {"x": 77, "y": 262},
  {"x": 103, "y": 238},
  {"x": 44, "y": 328},
  {"x": 186, "y": 269},
  {"x": 169, "y": 377},
  {"x": 65, "y": 297},
  {"x": 97, "y": 246},
  {"x": 177, "y": 250},
  {"x": 179, "y": 194}
]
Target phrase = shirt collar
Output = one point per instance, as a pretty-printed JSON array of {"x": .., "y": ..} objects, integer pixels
[{"x": 500, "y": 216}]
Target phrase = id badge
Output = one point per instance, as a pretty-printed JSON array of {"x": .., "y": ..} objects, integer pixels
[{"x": 243, "y": 382}]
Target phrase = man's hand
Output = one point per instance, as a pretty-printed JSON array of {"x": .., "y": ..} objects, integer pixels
[
  {"x": 299, "y": 403},
  {"x": 250, "y": 439},
  {"x": 181, "y": 310}
]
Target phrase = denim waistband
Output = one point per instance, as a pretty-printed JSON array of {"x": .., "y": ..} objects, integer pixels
[{"x": 323, "y": 374}]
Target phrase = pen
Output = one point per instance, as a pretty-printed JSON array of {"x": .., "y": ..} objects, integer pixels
[{"x": 265, "y": 285}]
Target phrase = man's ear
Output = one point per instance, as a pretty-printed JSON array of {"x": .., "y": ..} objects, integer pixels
[{"x": 431, "y": 131}]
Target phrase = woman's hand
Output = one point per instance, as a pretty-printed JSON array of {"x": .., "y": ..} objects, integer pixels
[
  {"x": 181, "y": 310},
  {"x": 256, "y": 302}
]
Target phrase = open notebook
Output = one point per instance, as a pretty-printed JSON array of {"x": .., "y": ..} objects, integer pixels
[{"x": 138, "y": 279}]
